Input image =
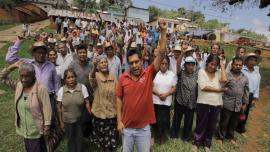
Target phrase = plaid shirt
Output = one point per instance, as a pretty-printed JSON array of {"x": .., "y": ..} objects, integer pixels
[{"x": 237, "y": 94}]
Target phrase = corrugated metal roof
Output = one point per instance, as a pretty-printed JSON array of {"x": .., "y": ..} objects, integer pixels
[
  {"x": 104, "y": 17},
  {"x": 26, "y": 11}
]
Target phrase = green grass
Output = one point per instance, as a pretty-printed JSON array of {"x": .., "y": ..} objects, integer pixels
[
  {"x": 48, "y": 30},
  {"x": 10, "y": 142},
  {"x": 5, "y": 26}
]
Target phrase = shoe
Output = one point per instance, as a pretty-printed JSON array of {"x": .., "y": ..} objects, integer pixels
[
  {"x": 195, "y": 148},
  {"x": 207, "y": 149}
]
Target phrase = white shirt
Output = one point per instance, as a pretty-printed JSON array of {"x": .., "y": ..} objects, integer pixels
[
  {"x": 65, "y": 23},
  {"x": 139, "y": 40},
  {"x": 61, "y": 91},
  {"x": 84, "y": 24},
  {"x": 209, "y": 98},
  {"x": 78, "y": 22},
  {"x": 173, "y": 63},
  {"x": 115, "y": 66},
  {"x": 254, "y": 79},
  {"x": 102, "y": 39},
  {"x": 163, "y": 83},
  {"x": 63, "y": 62}
]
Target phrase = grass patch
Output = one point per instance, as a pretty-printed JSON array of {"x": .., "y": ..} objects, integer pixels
[
  {"x": 7, "y": 25},
  {"x": 48, "y": 30}
]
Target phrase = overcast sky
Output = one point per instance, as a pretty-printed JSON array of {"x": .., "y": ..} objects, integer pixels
[{"x": 249, "y": 18}]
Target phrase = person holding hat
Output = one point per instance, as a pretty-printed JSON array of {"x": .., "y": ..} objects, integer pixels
[
  {"x": 254, "y": 79},
  {"x": 185, "y": 97},
  {"x": 173, "y": 59},
  {"x": 113, "y": 60}
]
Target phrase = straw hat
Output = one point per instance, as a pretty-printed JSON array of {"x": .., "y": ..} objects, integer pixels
[
  {"x": 99, "y": 45},
  {"x": 107, "y": 44},
  {"x": 133, "y": 45},
  {"x": 38, "y": 44},
  {"x": 251, "y": 55},
  {"x": 177, "y": 48},
  {"x": 63, "y": 39},
  {"x": 51, "y": 40},
  {"x": 189, "y": 49}
]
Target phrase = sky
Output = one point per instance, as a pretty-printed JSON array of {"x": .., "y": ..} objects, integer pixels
[{"x": 250, "y": 17}]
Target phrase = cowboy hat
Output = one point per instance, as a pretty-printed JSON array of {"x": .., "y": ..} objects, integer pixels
[
  {"x": 38, "y": 44},
  {"x": 107, "y": 44},
  {"x": 99, "y": 45},
  {"x": 177, "y": 48},
  {"x": 133, "y": 45},
  {"x": 63, "y": 39},
  {"x": 251, "y": 55},
  {"x": 51, "y": 40},
  {"x": 189, "y": 49}
]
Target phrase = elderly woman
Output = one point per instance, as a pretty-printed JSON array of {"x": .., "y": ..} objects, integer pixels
[
  {"x": 33, "y": 109},
  {"x": 104, "y": 120},
  {"x": 209, "y": 101}
]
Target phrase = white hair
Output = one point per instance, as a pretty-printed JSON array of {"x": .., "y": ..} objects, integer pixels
[{"x": 28, "y": 67}]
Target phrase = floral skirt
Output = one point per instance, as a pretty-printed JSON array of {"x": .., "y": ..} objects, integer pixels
[{"x": 104, "y": 132}]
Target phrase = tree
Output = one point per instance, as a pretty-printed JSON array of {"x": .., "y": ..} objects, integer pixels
[
  {"x": 154, "y": 11},
  {"x": 212, "y": 24},
  {"x": 225, "y": 5}
]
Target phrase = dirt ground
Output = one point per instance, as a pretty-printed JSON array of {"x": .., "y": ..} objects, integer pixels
[
  {"x": 256, "y": 125},
  {"x": 11, "y": 34}
]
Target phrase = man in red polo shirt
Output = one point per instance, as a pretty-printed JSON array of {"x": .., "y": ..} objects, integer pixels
[{"x": 135, "y": 109}]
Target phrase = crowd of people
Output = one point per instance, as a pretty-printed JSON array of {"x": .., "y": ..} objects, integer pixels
[{"x": 117, "y": 83}]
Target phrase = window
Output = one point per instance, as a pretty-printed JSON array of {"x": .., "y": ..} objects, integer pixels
[{"x": 169, "y": 24}]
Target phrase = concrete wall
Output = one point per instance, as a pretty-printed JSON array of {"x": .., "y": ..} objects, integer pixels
[{"x": 138, "y": 13}]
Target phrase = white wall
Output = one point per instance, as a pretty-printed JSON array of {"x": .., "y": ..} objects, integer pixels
[{"x": 138, "y": 13}]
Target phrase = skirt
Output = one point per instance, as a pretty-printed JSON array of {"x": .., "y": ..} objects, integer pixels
[{"x": 104, "y": 133}]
